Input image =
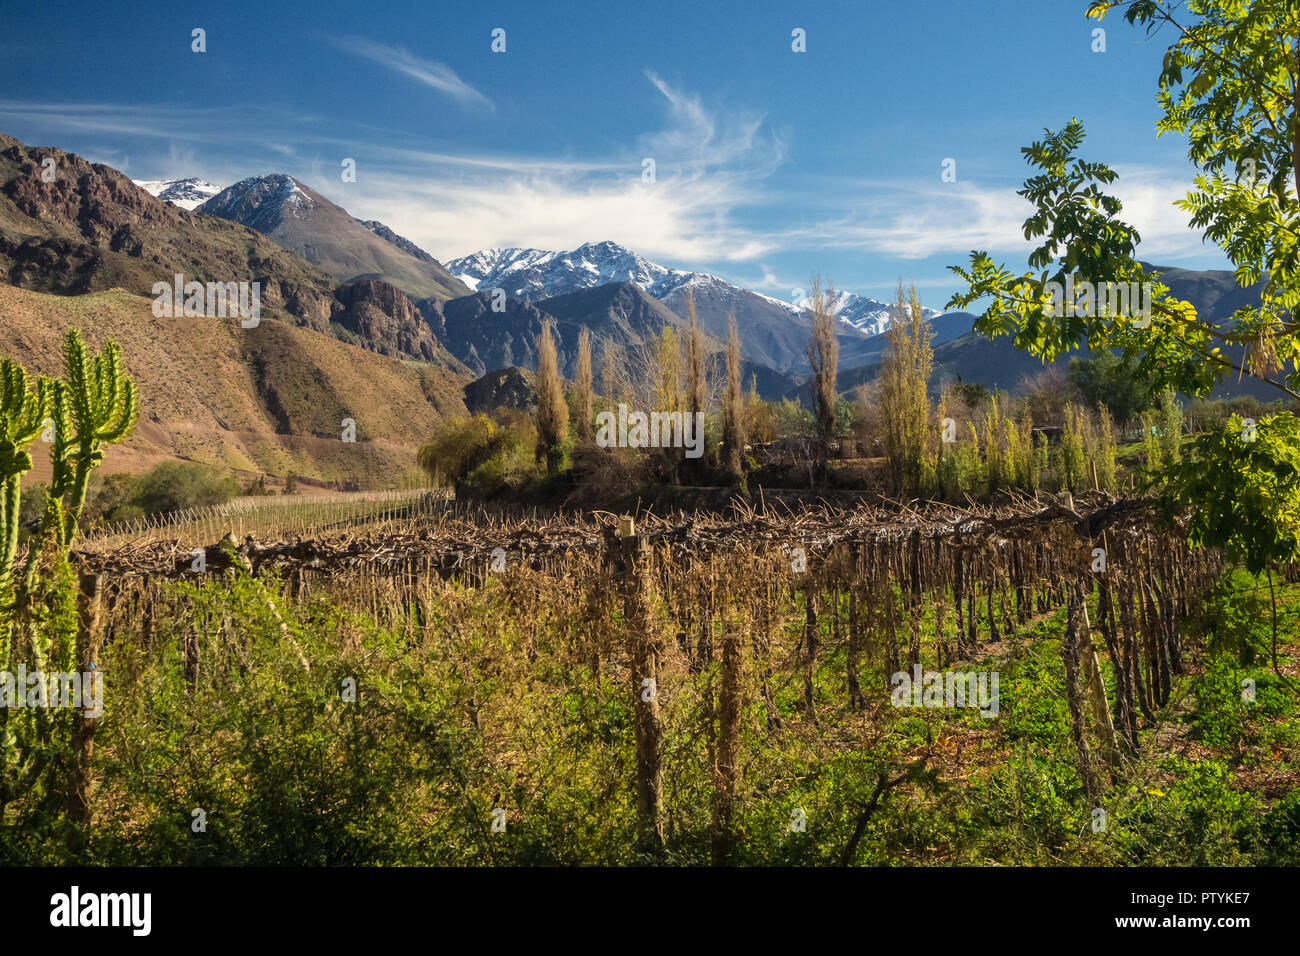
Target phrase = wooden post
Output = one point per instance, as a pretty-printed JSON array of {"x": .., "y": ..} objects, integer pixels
[
  {"x": 810, "y": 650},
  {"x": 729, "y": 713},
  {"x": 1071, "y": 648},
  {"x": 1097, "y": 690},
  {"x": 851, "y": 663},
  {"x": 146, "y": 612},
  {"x": 629, "y": 555},
  {"x": 83, "y": 727}
]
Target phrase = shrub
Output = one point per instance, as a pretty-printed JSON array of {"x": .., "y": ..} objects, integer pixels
[
  {"x": 481, "y": 456},
  {"x": 177, "y": 485}
]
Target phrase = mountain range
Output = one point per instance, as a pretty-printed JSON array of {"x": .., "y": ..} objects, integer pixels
[
  {"x": 85, "y": 248},
  {"x": 773, "y": 332},
  {"x": 361, "y": 322}
]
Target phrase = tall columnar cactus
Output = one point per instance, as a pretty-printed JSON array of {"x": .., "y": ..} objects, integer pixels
[
  {"x": 100, "y": 403},
  {"x": 22, "y": 412},
  {"x": 96, "y": 404}
]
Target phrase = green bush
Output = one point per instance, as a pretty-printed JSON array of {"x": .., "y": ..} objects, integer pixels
[
  {"x": 175, "y": 485},
  {"x": 481, "y": 456},
  {"x": 1220, "y": 714},
  {"x": 170, "y": 486}
]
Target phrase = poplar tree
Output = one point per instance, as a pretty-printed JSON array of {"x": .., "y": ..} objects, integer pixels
[
  {"x": 552, "y": 412},
  {"x": 823, "y": 355},
  {"x": 904, "y": 404},
  {"x": 586, "y": 414},
  {"x": 733, "y": 409}
]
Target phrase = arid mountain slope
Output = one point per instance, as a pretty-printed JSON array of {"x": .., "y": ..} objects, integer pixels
[
  {"x": 91, "y": 229},
  {"x": 303, "y": 221},
  {"x": 267, "y": 400}
]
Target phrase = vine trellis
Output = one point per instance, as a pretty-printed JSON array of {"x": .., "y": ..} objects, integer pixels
[{"x": 768, "y": 600}]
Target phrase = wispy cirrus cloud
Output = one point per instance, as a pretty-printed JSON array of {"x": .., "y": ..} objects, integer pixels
[
  {"x": 431, "y": 73},
  {"x": 708, "y": 163},
  {"x": 913, "y": 221}
]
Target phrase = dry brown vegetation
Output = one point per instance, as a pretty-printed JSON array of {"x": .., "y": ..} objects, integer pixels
[
  {"x": 904, "y": 378},
  {"x": 552, "y": 412}
]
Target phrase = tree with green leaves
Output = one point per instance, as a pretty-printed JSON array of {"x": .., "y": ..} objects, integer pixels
[
  {"x": 1113, "y": 381},
  {"x": 1231, "y": 84},
  {"x": 1240, "y": 488}
]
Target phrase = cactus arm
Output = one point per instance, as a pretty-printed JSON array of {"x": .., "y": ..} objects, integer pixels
[
  {"x": 21, "y": 413},
  {"x": 123, "y": 417},
  {"x": 9, "y": 507}
]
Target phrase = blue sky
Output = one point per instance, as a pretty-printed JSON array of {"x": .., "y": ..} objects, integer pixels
[{"x": 770, "y": 165}]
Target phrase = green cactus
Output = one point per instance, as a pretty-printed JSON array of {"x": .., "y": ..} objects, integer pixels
[
  {"x": 100, "y": 404},
  {"x": 22, "y": 412},
  {"x": 95, "y": 405}
]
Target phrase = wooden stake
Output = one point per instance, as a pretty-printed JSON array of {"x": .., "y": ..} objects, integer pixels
[{"x": 83, "y": 727}]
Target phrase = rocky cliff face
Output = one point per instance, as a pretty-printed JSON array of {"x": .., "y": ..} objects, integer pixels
[
  {"x": 387, "y": 321},
  {"x": 512, "y": 387},
  {"x": 485, "y": 340},
  {"x": 98, "y": 201}
]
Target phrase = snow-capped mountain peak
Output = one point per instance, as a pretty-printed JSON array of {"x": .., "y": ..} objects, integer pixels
[
  {"x": 539, "y": 274},
  {"x": 263, "y": 202},
  {"x": 864, "y": 314},
  {"x": 186, "y": 193}
]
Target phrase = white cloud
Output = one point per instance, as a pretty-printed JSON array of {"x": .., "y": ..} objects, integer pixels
[
  {"x": 1148, "y": 196},
  {"x": 909, "y": 221},
  {"x": 913, "y": 222},
  {"x": 431, "y": 73},
  {"x": 712, "y": 201},
  {"x": 675, "y": 221},
  {"x": 707, "y": 165},
  {"x": 768, "y": 281}
]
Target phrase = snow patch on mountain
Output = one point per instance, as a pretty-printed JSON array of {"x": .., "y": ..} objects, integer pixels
[
  {"x": 262, "y": 202},
  {"x": 186, "y": 193},
  {"x": 540, "y": 274},
  {"x": 864, "y": 314}
]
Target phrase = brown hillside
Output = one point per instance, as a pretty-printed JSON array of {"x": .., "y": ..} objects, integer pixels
[
  {"x": 93, "y": 229},
  {"x": 326, "y": 235},
  {"x": 266, "y": 400}
]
